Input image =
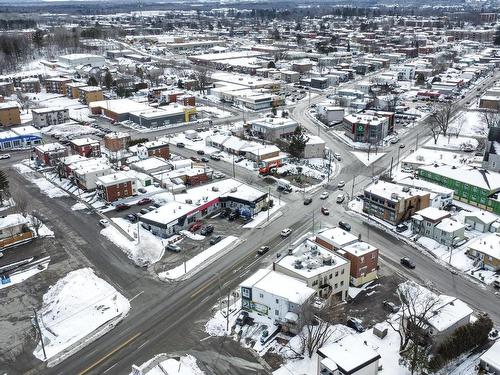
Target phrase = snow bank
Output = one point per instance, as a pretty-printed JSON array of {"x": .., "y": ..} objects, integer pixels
[
  {"x": 161, "y": 365},
  {"x": 76, "y": 306},
  {"x": 192, "y": 236},
  {"x": 145, "y": 250},
  {"x": 363, "y": 156},
  {"x": 48, "y": 188},
  {"x": 194, "y": 262}
]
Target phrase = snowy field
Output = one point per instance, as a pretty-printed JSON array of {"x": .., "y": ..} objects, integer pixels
[
  {"x": 196, "y": 261},
  {"x": 68, "y": 129},
  {"x": 469, "y": 124},
  {"x": 163, "y": 365},
  {"x": 146, "y": 249},
  {"x": 79, "y": 306},
  {"x": 452, "y": 143}
]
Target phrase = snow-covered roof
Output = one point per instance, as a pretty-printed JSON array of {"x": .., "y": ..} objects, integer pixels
[
  {"x": 483, "y": 216},
  {"x": 359, "y": 248},
  {"x": 449, "y": 225},
  {"x": 450, "y": 312},
  {"x": 337, "y": 237},
  {"x": 169, "y": 212},
  {"x": 315, "y": 140},
  {"x": 115, "y": 178},
  {"x": 84, "y": 141},
  {"x": 275, "y": 122},
  {"x": 280, "y": 285},
  {"x": 432, "y": 213},
  {"x": 9, "y": 105},
  {"x": 350, "y": 353},
  {"x": 72, "y": 159},
  {"x": 50, "y": 147},
  {"x": 481, "y": 178},
  {"x": 48, "y": 110},
  {"x": 312, "y": 258},
  {"x": 488, "y": 245},
  {"x": 26, "y": 130},
  {"x": 12, "y": 220},
  {"x": 426, "y": 156},
  {"x": 150, "y": 164},
  {"x": 492, "y": 355},
  {"x": 120, "y": 106},
  {"x": 393, "y": 192}
]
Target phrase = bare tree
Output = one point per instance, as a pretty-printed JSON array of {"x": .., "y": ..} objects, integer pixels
[
  {"x": 491, "y": 117},
  {"x": 442, "y": 116},
  {"x": 418, "y": 305},
  {"x": 202, "y": 77},
  {"x": 36, "y": 221},
  {"x": 22, "y": 203},
  {"x": 316, "y": 331}
]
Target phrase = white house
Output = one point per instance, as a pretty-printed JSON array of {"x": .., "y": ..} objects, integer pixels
[
  {"x": 348, "y": 356},
  {"x": 277, "y": 296},
  {"x": 490, "y": 360}
]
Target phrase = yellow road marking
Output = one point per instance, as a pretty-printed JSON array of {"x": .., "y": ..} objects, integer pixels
[
  {"x": 95, "y": 364},
  {"x": 201, "y": 289}
]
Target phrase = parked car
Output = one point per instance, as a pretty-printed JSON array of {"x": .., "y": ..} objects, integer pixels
[
  {"x": 215, "y": 157},
  {"x": 195, "y": 226},
  {"x": 243, "y": 318},
  {"x": 142, "y": 190},
  {"x": 194, "y": 158},
  {"x": 401, "y": 228},
  {"x": 390, "y": 306},
  {"x": 225, "y": 213},
  {"x": 286, "y": 232},
  {"x": 345, "y": 226},
  {"x": 200, "y": 152},
  {"x": 355, "y": 324},
  {"x": 218, "y": 175},
  {"x": 204, "y": 160},
  {"x": 307, "y": 201},
  {"x": 402, "y": 145},
  {"x": 407, "y": 262},
  {"x": 206, "y": 230},
  {"x": 263, "y": 250},
  {"x": 407, "y": 170},
  {"x": 324, "y": 195},
  {"x": 395, "y": 140},
  {"x": 144, "y": 211},
  {"x": 180, "y": 145},
  {"x": 233, "y": 215},
  {"x": 144, "y": 201},
  {"x": 337, "y": 156},
  {"x": 5, "y": 156},
  {"x": 131, "y": 217},
  {"x": 325, "y": 211},
  {"x": 151, "y": 208},
  {"x": 104, "y": 222},
  {"x": 341, "y": 184},
  {"x": 340, "y": 198},
  {"x": 215, "y": 239},
  {"x": 122, "y": 207},
  {"x": 174, "y": 248}
]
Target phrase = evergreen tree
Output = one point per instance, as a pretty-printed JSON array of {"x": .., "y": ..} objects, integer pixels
[
  {"x": 38, "y": 38},
  {"x": 420, "y": 80},
  {"x": 92, "y": 81},
  {"x": 298, "y": 142},
  {"x": 108, "y": 80}
]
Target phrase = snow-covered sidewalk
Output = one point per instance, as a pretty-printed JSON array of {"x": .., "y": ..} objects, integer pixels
[
  {"x": 165, "y": 364},
  {"x": 77, "y": 310},
  {"x": 210, "y": 254}
]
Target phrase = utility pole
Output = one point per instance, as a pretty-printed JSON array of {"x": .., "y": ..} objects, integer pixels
[
  {"x": 268, "y": 203},
  {"x": 397, "y": 162},
  {"x": 352, "y": 188},
  {"x": 40, "y": 333},
  {"x": 138, "y": 232},
  {"x": 227, "y": 314},
  {"x": 416, "y": 143},
  {"x": 234, "y": 171},
  {"x": 329, "y": 164},
  {"x": 390, "y": 170},
  {"x": 313, "y": 223}
]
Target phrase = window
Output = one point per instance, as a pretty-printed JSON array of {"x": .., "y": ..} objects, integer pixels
[
  {"x": 373, "y": 255},
  {"x": 245, "y": 292},
  {"x": 336, "y": 285},
  {"x": 276, "y": 312},
  {"x": 341, "y": 283},
  {"x": 261, "y": 295},
  {"x": 362, "y": 260},
  {"x": 336, "y": 273},
  {"x": 277, "y": 300},
  {"x": 330, "y": 276},
  {"x": 342, "y": 272},
  {"x": 315, "y": 282}
]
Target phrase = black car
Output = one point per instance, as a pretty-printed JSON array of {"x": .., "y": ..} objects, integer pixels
[
  {"x": 215, "y": 239},
  {"x": 407, "y": 262},
  {"x": 243, "y": 318},
  {"x": 208, "y": 229},
  {"x": 225, "y": 213},
  {"x": 233, "y": 215},
  {"x": 344, "y": 225},
  {"x": 307, "y": 201},
  {"x": 181, "y": 145},
  {"x": 401, "y": 228},
  {"x": 355, "y": 324},
  {"x": 263, "y": 250},
  {"x": 200, "y": 152},
  {"x": 131, "y": 217}
]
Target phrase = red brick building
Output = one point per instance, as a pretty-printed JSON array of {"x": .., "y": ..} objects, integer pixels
[
  {"x": 187, "y": 100},
  {"x": 57, "y": 85},
  {"x": 116, "y": 186},
  {"x": 50, "y": 153},
  {"x": 88, "y": 147},
  {"x": 159, "y": 149},
  {"x": 116, "y": 141}
]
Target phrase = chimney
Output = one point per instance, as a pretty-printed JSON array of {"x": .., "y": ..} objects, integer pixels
[{"x": 359, "y": 237}]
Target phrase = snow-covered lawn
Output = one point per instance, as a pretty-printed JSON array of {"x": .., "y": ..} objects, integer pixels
[
  {"x": 78, "y": 306},
  {"x": 469, "y": 124},
  {"x": 185, "y": 365},
  {"x": 146, "y": 249},
  {"x": 363, "y": 156},
  {"x": 452, "y": 143},
  {"x": 216, "y": 112},
  {"x": 203, "y": 257},
  {"x": 458, "y": 258},
  {"x": 45, "y": 186}
]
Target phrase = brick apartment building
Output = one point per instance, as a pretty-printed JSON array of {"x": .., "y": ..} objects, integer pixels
[
  {"x": 30, "y": 85},
  {"x": 50, "y": 153},
  {"x": 116, "y": 186},
  {"x": 57, "y": 85},
  {"x": 154, "y": 148},
  {"x": 116, "y": 141},
  {"x": 10, "y": 114},
  {"x": 87, "y": 147}
]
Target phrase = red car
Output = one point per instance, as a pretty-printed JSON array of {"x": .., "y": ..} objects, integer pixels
[
  {"x": 195, "y": 226},
  {"x": 144, "y": 201},
  {"x": 121, "y": 207}
]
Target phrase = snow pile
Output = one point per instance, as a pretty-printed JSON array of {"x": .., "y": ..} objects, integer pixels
[
  {"x": 199, "y": 259},
  {"x": 191, "y": 235},
  {"x": 49, "y": 188},
  {"x": 43, "y": 230},
  {"x": 186, "y": 365},
  {"x": 69, "y": 129},
  {"x": 453, "y": 143},
  {"x": 146, "y": 249},
  {"x": 22, "y": 169},
  {"x": 367, "y": 159},
  {"x": 78, "y": 206},
  {"x": 74, "y": 308}
]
